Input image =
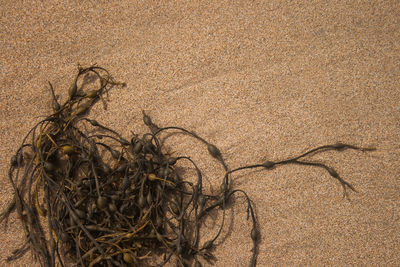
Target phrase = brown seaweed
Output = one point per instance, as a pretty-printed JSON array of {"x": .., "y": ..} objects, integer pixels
[{"x": 110, "y": 201}]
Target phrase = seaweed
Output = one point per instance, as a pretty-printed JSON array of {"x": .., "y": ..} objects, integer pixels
[{"x": 87, "y": 196}]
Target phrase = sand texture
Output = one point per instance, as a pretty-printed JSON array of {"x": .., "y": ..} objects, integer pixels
[{"x": 261, "y": 80}]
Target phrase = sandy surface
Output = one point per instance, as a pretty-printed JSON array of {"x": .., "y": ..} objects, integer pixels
[{"x": 261, "y": 81}]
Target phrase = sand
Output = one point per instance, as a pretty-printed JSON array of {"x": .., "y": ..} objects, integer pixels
[{"x": 261, "y": 80}]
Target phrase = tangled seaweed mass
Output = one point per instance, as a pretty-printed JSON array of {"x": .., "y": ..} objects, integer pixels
[{"x": 86, "y": 196}]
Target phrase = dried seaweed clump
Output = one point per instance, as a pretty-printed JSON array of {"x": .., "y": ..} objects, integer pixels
[{"x": 86, "y": 196}]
